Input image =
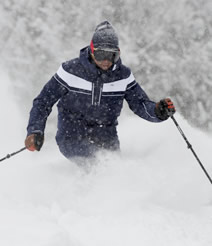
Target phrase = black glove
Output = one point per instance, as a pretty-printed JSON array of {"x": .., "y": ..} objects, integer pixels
[
  {"x": 164, "y": 109},
  {"x": 39, "y": 139}
]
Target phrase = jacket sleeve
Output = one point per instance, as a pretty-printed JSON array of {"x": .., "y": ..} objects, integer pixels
[
  {"x": 42, "y": 105},
  {"x": 139, "y": 102}
]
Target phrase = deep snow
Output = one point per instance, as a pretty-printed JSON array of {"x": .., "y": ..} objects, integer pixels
[{"x": 153, "y": 193}]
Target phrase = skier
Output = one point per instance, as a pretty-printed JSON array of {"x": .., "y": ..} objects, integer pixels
[{"x": 90, "y": 90}]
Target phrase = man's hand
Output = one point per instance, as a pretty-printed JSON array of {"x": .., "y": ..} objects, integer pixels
[
  {"x": 34, "y": 141},
  {"x": 164, "y": 109}
]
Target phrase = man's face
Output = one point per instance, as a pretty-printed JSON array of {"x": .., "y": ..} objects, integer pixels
[{"x": 104, "y": 65}]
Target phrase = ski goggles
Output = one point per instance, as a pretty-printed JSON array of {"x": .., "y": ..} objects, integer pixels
[{"x": 101, "y": 55}]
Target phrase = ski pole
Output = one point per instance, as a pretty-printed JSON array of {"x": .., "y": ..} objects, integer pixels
[
  {"x": 190, "y": 147},
  {"x": 12, "y": 154}
]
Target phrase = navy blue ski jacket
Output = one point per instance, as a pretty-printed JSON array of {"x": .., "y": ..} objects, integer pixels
[{"x": 88, "y": 96}]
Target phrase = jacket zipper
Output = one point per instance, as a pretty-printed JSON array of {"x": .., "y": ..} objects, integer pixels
[{"x": 97, "y": 92}]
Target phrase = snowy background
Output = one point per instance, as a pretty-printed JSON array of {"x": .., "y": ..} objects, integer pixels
[
  {"x": 154, "y": 192},
  {"x": 166, "y": 43}
]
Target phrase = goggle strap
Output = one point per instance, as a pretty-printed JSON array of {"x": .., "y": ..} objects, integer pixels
[{"x": 92, "y": 47}]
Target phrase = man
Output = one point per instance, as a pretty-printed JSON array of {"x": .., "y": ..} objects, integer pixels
[{"x": 91, "y": 90}]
